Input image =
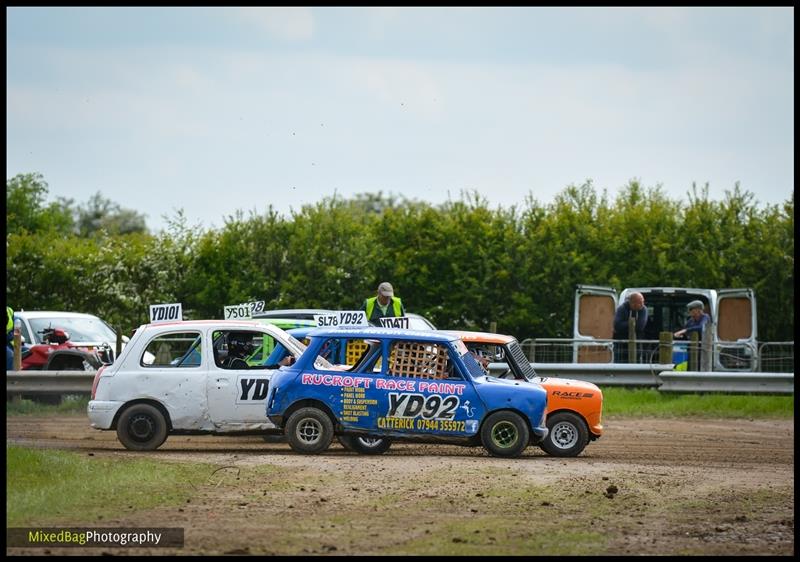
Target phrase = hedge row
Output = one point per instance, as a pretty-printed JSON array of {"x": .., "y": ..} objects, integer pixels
[{"x": 463, "y": 264}]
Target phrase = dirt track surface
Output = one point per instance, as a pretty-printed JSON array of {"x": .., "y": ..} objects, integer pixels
[{"x": 648, "y": 486}]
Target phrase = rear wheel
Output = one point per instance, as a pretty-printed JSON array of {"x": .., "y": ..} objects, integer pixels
[
  {"x": 365, "y": 445},
  {"x": 309, "y": 431},
  {"x": 568, "y": 435},
  {"x": 505, "y": 434},
  {"x": 142, "y": 427}
]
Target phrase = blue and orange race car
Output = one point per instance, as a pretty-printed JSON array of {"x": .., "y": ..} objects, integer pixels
[{"x": 410, "y": 385}]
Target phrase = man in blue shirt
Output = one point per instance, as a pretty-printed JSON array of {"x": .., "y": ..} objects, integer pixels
[{"x": 696, "y": 322}]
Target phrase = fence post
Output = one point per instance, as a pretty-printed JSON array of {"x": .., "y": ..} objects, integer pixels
[
  {"x": 17, "y": 344},
  {"x": 631, "y": 339},
  {"x": 707, "y": 351},
  {"x": 665, "y": 348},
  {"x": 693, "y": 349},
  {"x": 493, "y": 327}
]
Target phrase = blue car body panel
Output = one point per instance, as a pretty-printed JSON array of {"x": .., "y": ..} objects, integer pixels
[{"x": 378, "y": 403}]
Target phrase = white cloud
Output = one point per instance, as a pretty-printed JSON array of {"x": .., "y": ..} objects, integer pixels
[{"x": 291, "y": 24}]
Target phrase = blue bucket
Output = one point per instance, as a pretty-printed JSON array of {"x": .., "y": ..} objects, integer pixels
[{"x": 680, "y": 353}]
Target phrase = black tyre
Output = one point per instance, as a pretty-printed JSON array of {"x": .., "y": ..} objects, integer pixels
[
  {"x": 568, "y": 435},
  {"x": 505, "y": 434},
  {"x": 142, "y": 427},
  {"x": 365, "y": 445},
  {"x": 309, "y": 431}
]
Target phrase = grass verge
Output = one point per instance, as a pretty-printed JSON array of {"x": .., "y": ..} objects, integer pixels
[
  {"x": 48, "y": 486},
  {"x": 70, "y": 404},
  {"x": 650, "y": 402}
]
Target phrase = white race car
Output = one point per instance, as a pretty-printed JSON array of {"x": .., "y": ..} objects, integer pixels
[{"x": 203, "y": 376}]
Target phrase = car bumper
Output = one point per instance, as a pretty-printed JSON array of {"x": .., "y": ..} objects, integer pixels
[
  {"x": 101, "y": 413},
  {"x": 538, "y": 434}
]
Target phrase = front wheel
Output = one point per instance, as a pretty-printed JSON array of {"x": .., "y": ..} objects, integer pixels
[
  {"x": 309, "y": 431},
  {"x": 365, "y": 445},
  {"x": 142, "y": 427},
  {"x": 505, "y": 434},
  {"x": 568, "y": 435}
]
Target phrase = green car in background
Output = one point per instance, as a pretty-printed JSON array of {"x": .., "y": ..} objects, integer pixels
[{"x": 283, "y": 322}]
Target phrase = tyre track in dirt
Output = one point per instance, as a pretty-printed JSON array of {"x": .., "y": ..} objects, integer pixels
[{"x": 676, "y": 441}]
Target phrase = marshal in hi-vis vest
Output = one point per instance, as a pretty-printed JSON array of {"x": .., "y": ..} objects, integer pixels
[{"x": 395, "y": 306}]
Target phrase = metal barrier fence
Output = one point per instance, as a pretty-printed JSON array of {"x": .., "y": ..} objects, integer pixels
[
  {"x": 776, "y": 357},
  {"x": 775, "y": 371},
  {"x": 641, "y": 374},
  {"x": 751, "y": 383},
  {"x": 767, "y": 357},
  {"x": 49, "y": 382}
]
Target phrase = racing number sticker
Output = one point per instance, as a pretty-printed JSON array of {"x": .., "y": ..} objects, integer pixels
[
  {"x": 419, "y": 412},
  {"x": 244, "y": 310},
  {"x": 395, "y": 322},
  {"x": 251, "y": 389},
  {"x": 342, "y": 318},
  {"x": 165, "y": 312},
  {"x": 412, "y": 405}
]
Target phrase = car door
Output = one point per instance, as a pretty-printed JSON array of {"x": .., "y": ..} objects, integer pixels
[
  {"x": 423, "y": 388},
  {"x": 171, "y": 371},
  {"x": 735, "y": 327},
  {"x": 236, "y": 396},
  {"x": 594, "y": 319}
]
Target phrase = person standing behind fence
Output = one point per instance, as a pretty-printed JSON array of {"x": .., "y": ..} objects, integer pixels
[
  {"x": 633, "y": 309},
  {"x": 9, "y": 339},
  {"x": 383, "y": 305},
  {"x": 695, "y": 323}
]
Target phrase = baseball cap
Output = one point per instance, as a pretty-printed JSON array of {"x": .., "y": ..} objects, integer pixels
[
  {"x": 695, "y": 304},
  {"x": 385, "y": 289}
]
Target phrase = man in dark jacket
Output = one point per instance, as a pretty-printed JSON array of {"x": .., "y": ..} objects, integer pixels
[{"x": 632, "y": 310}]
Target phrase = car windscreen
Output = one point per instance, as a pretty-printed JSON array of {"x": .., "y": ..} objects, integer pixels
[
  {"x": 80, "y": 329},
  {"x": 418, "y": 323},
  {"x": 516, "y": 355},
  {"x": 473, "y": 367}
]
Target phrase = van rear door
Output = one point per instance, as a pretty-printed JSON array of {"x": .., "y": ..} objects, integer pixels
[
  {"x": 594, "y": 319},
  {"x": 735, "y": 327}
]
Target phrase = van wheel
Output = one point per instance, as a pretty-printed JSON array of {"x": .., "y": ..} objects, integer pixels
[
  {"x": 309, "y": 431},
  {"x": 142, "y": 427},
  {"x": 365, "y": 445},
  {"x": 568, "y": 435},
  {"x": 505, "y": 434}
]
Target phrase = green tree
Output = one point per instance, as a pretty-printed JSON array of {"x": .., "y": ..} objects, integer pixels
[
  {"x": 102, "y": 214},
  {"x": 26, "y": 209}
]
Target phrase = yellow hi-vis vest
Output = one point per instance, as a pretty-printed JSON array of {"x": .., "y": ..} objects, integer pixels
[{"x": 396, "y": 306}]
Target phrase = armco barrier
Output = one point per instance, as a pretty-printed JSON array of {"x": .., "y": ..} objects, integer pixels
[
  {"x": 663, "y": 377},
  {"x": 654, "y": 376},
  {"x": 49, "y": 382},
  {"x": 607, "y": 374},
  {"x": 716, "y": 381}
]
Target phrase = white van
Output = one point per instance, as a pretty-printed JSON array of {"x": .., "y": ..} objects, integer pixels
[{"x": 732, "y": 311}]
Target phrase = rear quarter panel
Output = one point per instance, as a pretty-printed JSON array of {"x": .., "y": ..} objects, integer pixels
[{"x": 582, "y": 398}]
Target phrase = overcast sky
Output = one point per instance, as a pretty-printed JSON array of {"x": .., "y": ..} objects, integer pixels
[{"x": 217, "y": 109}]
